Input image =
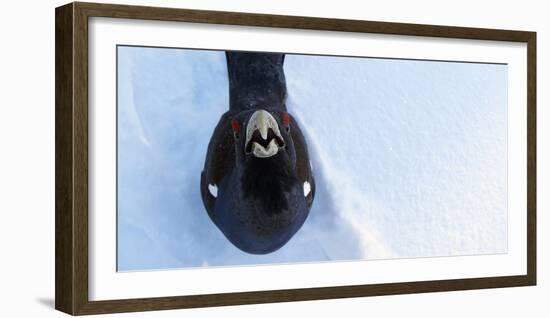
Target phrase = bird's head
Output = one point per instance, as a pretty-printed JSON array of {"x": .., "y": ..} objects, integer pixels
[{"x": 265, "y": 156}]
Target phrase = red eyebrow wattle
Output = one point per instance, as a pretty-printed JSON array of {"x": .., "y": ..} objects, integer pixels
[
  {"x": 235, "y": 125},
  {"x": 286, "y": 118}
]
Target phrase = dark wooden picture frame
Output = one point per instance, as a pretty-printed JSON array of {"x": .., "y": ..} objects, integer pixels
[{"x": 71, "y": 156}]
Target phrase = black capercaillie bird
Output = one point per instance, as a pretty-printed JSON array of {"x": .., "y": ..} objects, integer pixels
[{"x": 257, "y": 185}]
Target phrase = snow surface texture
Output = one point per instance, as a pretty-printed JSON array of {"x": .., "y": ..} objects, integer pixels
[{"x": 409, "y": 158}]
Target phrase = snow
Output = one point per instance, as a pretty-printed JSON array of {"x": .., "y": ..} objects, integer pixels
[{"x": 409, "y": 158}]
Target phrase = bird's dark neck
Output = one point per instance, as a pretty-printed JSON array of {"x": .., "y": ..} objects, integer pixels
[{"x": 256, "y": 80}]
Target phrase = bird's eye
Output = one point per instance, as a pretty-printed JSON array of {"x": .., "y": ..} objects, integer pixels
[
  {"x": 285, "y": 118},
  {"x": 236, "y": 127}
]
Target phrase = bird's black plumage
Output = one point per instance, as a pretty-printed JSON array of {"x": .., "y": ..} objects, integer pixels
[
  {"x": 257, "y": 159},
  {"x": 256, "y": 80}
]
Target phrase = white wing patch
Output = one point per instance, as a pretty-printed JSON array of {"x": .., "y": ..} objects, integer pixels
[
  {"x": 307, "y": 188},
  {"x": 213, "y": 189}
]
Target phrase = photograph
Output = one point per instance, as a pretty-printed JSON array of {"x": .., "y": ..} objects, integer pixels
[
  {"x": 248, "y": 158},
  {"x": 212, "y": 157}
]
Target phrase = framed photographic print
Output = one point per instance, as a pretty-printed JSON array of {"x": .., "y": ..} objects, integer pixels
[{"x": 211, "y": 158}]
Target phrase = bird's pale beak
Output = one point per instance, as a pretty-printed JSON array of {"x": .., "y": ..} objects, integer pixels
[{"x": 263, "y": 137}]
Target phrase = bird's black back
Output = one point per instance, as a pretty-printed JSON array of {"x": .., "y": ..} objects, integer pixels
[{"x": 256, "y": 80}]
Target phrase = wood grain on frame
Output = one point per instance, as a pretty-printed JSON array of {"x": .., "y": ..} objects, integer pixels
[
  {"x": 64, "y": 256},
  {"x": 71, "y": 141}
]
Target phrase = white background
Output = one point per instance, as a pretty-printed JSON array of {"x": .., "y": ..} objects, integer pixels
[{"x": 27, "y": 169}]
